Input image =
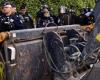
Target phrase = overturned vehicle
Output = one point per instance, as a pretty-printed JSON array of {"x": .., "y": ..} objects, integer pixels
[{"x": 53, "y": 53}]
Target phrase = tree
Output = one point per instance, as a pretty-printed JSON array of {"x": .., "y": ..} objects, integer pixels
[{"x": 34, "y": 5}]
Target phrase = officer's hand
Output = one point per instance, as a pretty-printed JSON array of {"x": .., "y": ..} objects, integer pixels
[{"x": 3, "y": 36}]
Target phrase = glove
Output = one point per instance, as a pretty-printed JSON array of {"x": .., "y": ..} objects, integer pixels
[{"x": 3, "y": 36}]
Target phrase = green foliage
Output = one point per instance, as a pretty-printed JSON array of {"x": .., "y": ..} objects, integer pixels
[{"x": 34, "y": 5}]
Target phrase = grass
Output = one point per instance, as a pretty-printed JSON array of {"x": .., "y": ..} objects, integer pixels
[{"x": 1, "y": 71}]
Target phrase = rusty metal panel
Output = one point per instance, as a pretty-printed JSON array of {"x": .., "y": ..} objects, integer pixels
[{"x": 29, "y": 61}]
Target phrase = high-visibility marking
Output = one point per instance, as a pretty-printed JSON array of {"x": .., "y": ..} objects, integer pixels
[
  {"x": 13, "y": 53},
  {"x": 98, "y": 37},
  {"x": 14, "y": 34}
]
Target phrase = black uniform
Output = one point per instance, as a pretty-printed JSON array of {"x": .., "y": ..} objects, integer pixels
[
  {"x": 83, "y": 19},
  {"x": 12, "y": 22},
  {"x": 27, "y": 20},
  {"x": 40, "y": 18},
  {"x": 63, "y": 19},
  {"x": 43, "y": 21}
]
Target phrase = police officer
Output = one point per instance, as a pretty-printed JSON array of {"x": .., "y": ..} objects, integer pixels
[
  {"x": 40, "y": 12},
  {"x": 18, "y": 15},
  {"x": 8, "y": 21},
  {"x": 45, "y": 19},
  {"x": 27, "y": 18},
  {"x": 63, "y": 16}
]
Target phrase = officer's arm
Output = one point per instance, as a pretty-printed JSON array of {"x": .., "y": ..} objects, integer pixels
[
  {"x": 39, "y": 23},
  {"x": 2, "y": 28},
  {"x": 31, "y": 20},
  {"x": 3, "y": 34}
]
